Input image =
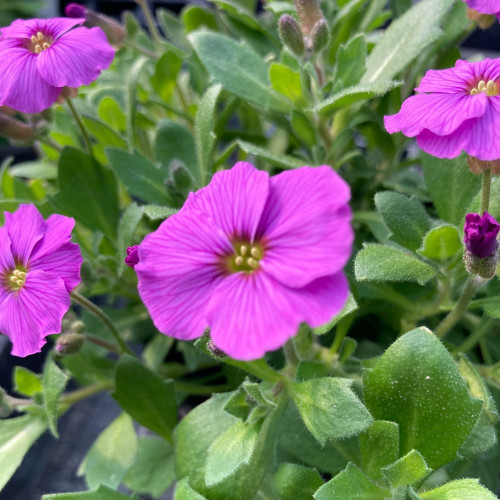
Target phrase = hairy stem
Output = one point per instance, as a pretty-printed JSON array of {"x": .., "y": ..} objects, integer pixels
[
  {"x": 485, "y": 191},
  {"x": 81, "y": 126}
]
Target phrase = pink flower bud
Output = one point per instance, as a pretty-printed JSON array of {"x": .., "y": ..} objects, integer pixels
[{"x": 480, "y": 234}]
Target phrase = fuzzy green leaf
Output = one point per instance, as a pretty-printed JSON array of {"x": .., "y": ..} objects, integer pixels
[
  {"x": 441, "y": 243},
  {"x": 296, "y": 482},
  {"x": 379, "y": 445},
  {"x": 54, "y": 381},
  {"x": 464, "y": 489},
  {"x": 101, "y": 493},
  {"x": 407, "y": 470}
]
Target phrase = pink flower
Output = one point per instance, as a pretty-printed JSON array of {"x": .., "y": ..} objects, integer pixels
[
  {"x": 132, "y": 257},
  {"x": 485, "y": 6},
  {"x": 480, "y": 234},
  {"x": 39, "y": 57},
  {"x": 39, "y": 267},
  {"x": 250, "y": 257},
  {"x": 456, "y": 109}
]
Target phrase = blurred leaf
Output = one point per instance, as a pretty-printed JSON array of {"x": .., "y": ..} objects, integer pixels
[
  {"x": 165, "y": 75},
  {"x": 26, "y": 382},
  {"x": 377, "y": 262},
  {"x": 88, "y": 192},
  {"x": 278, "y": 160},
  {"x": 110, "y": 112},
  {"x": 379, "y": 445},
  {"x": 104, "y": 134},
  {"x": 238, "y": 68},
  {"x": 464, "y": 489},
  {"x": 296, "y": 482},
  {"x": 54, "y": 381},
  {"x": 350, "y": 64},
  {"x": 101, "y": 493},
  {"x": 156, "y": 212},
  {"x": 441, "y": 243},
  {"x": 417, "y": 385},
  {"x": 145, "y": 396},
  {"x": 34, "y": 170},
  {"x": 111, "y": 455},
  {"x": 329, "y": 408},
  {"x": 287, "y": 82},
  {"x": 183, "y": 491},
  {"x": 407, "y": 470},
  {"x": 405, "y": 217},
  {"x": 303, "y": 128}
]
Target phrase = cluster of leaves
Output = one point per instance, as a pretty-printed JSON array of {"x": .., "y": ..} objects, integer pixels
[{"x": 337, "y": 418}]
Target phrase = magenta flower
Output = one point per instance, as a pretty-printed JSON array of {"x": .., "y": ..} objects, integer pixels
[
  {"x": 39, "y": 267},
  {"x": 132, "y": 257},
  {"x": 250, "y": 257},
  {"x": 480, "y": 234},
  {"x": 485, "y": 6},
  {"x": 457, "y": 109},
  {"x": 39, "y": 57}
]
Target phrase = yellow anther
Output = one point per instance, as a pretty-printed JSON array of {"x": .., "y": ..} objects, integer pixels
[
  {"x": 20, "y": 283},
  {"x": 491, "y": 88},
  {"x": 45, "y": 45},
  {"x": 474, "y": 92},
  {"x": 40, "y": 36},
  {"x": 481, "y": 86},
  {"x": 252, "y": 263},
  {"x": 34, "y": 39},
  {"x": 255, "y": 252},
  {"x": 38, "y": 49},
  {"x": 13, "y": 278},
  {"x": 239, "y": 260},
  {"x": 243, "y": 250}
]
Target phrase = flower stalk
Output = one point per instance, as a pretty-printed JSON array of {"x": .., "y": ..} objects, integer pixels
[
  {"x": 485, "y": 191},
  {"x": 81, "y": 126}
]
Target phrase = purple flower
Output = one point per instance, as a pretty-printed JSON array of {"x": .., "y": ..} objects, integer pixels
[
  {"x": 39, "y": 57},
  {"x": 250, "y": 257},
  {"x": 485, "y": 6},
  {"x": 132, "y": 257},
  {"x": 480, "y": 234},
  {"x": 456, "y": 109},
  {"x": 39, "y": 267}
]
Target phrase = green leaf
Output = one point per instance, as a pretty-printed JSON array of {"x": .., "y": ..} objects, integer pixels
[
  {"x": 351, "y": 484},
  {"x": 26, "y": 382},
  {"x": 379, "y": 445},
  {"x": 54, "y": 381},
  {"x": 153, "y": 472},
  {"x": 349, "y": 307},
  {"x": 303, "y": 128},
  {"x": 155, "y": 212},
  {"x": 406, "y": 38},
  {"x": 126, "y": 230},
  {"x": 34, "y": 170},
  {"x": 405, "y": 217},
  {"x": 354, "y": 94},
  {"x": 111, "y": 455},
  {"x": 464, "y": 489},
  {"x": 104, "y": 134},
  {"x": 183, "y": 491},
  {"x": 101, "y": 493},
  {"x": 238, "y": 68},
  {"x": 175, "y": 142},
  {"x": 417, "y": 385},
  {"x": 329, "y": 408},
  {"x": 230, "y": 451},
  {"x": 88, "y": 192},
  {"x": 147, "y": 398},
  {"x": 16, "y": 437},
  {"x": 164, "y": 77},
  {"x": 350, "y": 65},
  {"x": 254, "y": 390},
  {"x": 287, "y": 82},
  {"x": 238, "y": 404},
  {"x": 141, "y": 177},
  {"x": 451, "y": 186},
  {"x": 382, "y": 263},
  {"x": 204, "y": 131},
  {"x": 441, "y": 243},
  {"x": 407, "y": 470},
  {"x": 279, "y": 160},
  {"x": 296, "y": 482}
]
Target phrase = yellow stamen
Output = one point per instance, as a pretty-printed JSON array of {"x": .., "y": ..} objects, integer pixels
[
  {"x": 481, "y": 86},
  {"x": 252, "y": 263},
  {"x": 490, "y": 88},
  {"x": 39, "y": 42},
  {"x": 239, "y": 260},
  {"x": 255, "y": 252},
  {"x": 243, "y": 250}
]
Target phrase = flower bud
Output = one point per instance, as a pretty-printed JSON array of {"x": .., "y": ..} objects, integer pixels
[
  {"x": 291, "y": 35},
  {"x": 481, "y": 246},
  {"x": 479, "y": 166},
  {"x": 75, "y": 10},
  {"x": 132, "y": 257},
  {"x": 77, "y": 326},
  {"x": 69, "y": 343},
  {"x": 484, "y": 21},
  {"x": 14, "y": 129},
  {"x": 309, "y": 14},
  {"x": 320, "y": 36},
  {"x": 182, "y": 177}
]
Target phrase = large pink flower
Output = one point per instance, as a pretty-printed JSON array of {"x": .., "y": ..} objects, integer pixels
[
  {"x": 456, "y": 109},
  {"x": 39, "y": 267},
  {"x": 39, "y": 57},
  {"x": 250, "y": 257},
  {"x": 485, "y": 6}
]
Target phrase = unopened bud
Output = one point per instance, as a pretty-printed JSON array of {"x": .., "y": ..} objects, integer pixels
[
  {"x": 291, "y": 35},
  {"x": 485, "y": 268},
  {"x": 75, "y": 10},
  {"x": 484, "y": 21},
  {"x": 479, "y": 166},
  {"x": 309, "y": 14},
  {"x": 69, "y": 343},
  {"x": 132, "y": 257},
  {"x": 77, "y": 326},
  {"x": 182, "y": 177},
  {"x": 14, "y": 129},
  {"x": 320, "y": 35}
]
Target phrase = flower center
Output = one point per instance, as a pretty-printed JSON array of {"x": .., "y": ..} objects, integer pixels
[
  {"x": 490, "y": 88},
  {"x": 246, "y": 257},
  {"x": 16, "y": 279},
  {"x": 40, "y": 42}
]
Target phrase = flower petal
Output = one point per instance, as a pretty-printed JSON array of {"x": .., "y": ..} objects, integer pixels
[
  {"x": 234, "y": 200},
  {"x": 479, "y": 137},
  {"x": 179, "y": 266},
  {"x": 484, "y": 6},
  {"x": 6, "y": 260},
  {"x": 54, "y": 27},
  {"x": 441, "y": 114},
  {"x": 21, "y": 86},
  {"x": 57, "y": 233},
  {"x": 448, "y": 81},
  {"x": 250, "y": 314},
  {"x": 76, "y": 58},
  {"x": 34, "y": 312},
  {"x": 25, "y": 227},
  {"x": 305, "y": 227}
]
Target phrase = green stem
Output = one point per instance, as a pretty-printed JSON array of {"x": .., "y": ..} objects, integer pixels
[
  {"x": 290, "y": 353},
  {"x": 485, "y": 191},
  {"x": 461, "y": 305},
  {"x": 150, "y": 22},
  {"x": 97, "y": 311},
  {"x": 180, "y": 93},
  {"x": 49, "y": 142},
  {"x": 81, "y": 126},
  {"x": 142, "y": 50},
  {"x": 200, "y": 390},
  {"x": 103, "y": 343},
  {"x": 259, "y": 368},
  {"x": 85, "y": 392},
  {"x": 477, "y": 334},
  {"x": 172, "y": 109}
]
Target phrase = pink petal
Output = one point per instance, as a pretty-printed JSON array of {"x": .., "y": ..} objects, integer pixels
[
  {"x": 57, "y": 233},
  {"x": 250, "y": 314},
  {"x": 25, "y": 227},
  {"x": 53, "y": 27},
  {"x": 34, "y": 312},
  {"x": 305, "y": 227},
  {"x": 7, "y": 263},
  {"x": 449, "y": 80},
  {"x": 179, "y": 266},
  {"x": 21, "y": 86},
  {"x": 479, "y": 137},
  {"x": 441, "y": 114},
  {"x": 234, "y": 200},
  {"x": 76, "y": 58},
  {"x": 485, "y": 6}
]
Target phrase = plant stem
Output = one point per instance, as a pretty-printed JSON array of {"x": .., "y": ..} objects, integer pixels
[
  {"x": 290, "y": 353},
  {"x": 81, "y": 126},
  {"x": 49, "y": 142},
  {"x": 461, "y": 305},
  {"x": 477, "y": 334},
  {"x": 200, "y": 390},
  {"x": 97, "y": 311},
  {"x": 103, "y": 343},
  {"x": 150, "y": 21},
  {"x": 485, "y": 191},
  {"x": 142, "y": 50},
  {"x": 85, "y": 392}
]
